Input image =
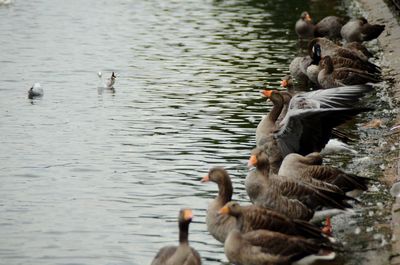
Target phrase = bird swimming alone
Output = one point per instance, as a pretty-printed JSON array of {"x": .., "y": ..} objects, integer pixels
[
  {"x": 109, "y": 83},
  {"x": 35, "y": 91}
]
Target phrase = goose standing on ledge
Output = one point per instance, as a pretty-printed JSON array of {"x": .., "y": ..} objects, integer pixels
[
  {"x": 298, "y": 166},
  {"x": 182, "y": 254},
  {"x": 309, "y": 122},
  {"x": 360, "y": 30},
  {"x": 330, "y": 77},
  {"x": 252, "y": 217},
  {"x": 328, "y": 27},
  {"x": 262, "y": 188},
  {"x": 264, "y": 247},
  {"x": 219, "y": 226},
  {"x": 270, "y": 122},
  {"x": 329, "y": 48}
]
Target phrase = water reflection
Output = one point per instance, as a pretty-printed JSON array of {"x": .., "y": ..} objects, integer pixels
[{"x": 90, "y": 178}]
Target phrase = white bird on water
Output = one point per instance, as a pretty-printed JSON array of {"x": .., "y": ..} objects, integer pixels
[
  {"x": 5, "y": 2},
  {"x": 109, "y": 83},
  {"x": 35, "y": 91}
]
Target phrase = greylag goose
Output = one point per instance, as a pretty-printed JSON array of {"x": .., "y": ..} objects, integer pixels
[
  {"x": 252, "y": 217},
  {"x": 360, "y": 30},
  {"x": 328, "y": 27},
  {"x": 358, "y": 47},
  {"x": 297, "y": 69},
  {"x": 264, "y": 247},
  {"x": 183, "y": 253},
  {"x": 329, "y": 76},
  {"x": 308, "y": 124},
  {"x": 304, "y": 26},
  {"x": 304, "y": 167},
  {"x": 264, "y": 196},
  {"x": 35, "y": 91},
  {"x": 219, "y": 226},
  {"x": 270, "y": 122},
  {"x": 261, "y": 187},
  {"x": 287, "y": 82},
  {"x": 343, "y": 97}
]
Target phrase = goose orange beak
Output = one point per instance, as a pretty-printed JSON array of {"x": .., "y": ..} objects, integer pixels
[
  {"x": 205, "y": 179},
  {"x": 188, "y": 214},
  {"x": 284, "y": 83},
  {"x": 308, "y": 17},
  {"x": 252, "y": 161},
  {"x": 267, "y": 93},
  {"x": 224, "y": 210}
]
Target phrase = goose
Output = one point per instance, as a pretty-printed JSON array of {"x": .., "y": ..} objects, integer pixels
[
  {"x": 297, "y": 69},
  {"x": 182, "y": 254},
  {"x": 262, "y": 247},
  {"x": 358, "y": 47},
  {"x": 219, "y": 226},
  {"x": 252, "y": 217},
  {"x": 269, "y": 122},
  {"x": 339, "y": 62},
  {"x": 263, "y": 196},
  {"x": 360, "y": 30},
  {"x": 287, "y": 82},
  {"x": 261, "y": 188},
  {"x": 309, "y": 122},
  {"x": 329, "y": 76},
  {"x": 329, "y": 48},
  {"x": 313, "y": 68},
  {"x": 35, "y": 91},
  {"x": 304, "y": 26},
  {"x": 351, "y": 93},
  {"x": 329, "y": 27},
  {"x": 298, "y": 166}
]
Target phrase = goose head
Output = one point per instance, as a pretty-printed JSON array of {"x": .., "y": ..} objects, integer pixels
[{"x": 306, "y": 16}]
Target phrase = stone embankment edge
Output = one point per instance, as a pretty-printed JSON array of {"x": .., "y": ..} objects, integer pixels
[{"x": 378, "y": 11}]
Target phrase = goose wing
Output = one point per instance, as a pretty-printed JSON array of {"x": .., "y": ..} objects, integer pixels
[
  {"x": 338, "y": 97},
  {"x": 308, "y": 130}
]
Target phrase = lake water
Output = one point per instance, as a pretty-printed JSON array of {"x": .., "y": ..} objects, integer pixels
[{"x": 89, "y": 178}]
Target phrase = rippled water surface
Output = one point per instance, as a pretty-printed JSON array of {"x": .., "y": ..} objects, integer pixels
[{"x": 98, "y": 178}]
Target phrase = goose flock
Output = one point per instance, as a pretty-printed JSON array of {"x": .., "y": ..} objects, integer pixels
[{"x": 287, "y": 182}]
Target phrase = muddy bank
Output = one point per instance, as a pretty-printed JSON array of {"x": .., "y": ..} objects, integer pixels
[
  {"x": 390, "y": 44},
  {"x": 372, "y": 232}
]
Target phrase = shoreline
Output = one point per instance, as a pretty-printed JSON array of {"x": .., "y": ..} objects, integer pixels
[{"x": 389, "y": 42}]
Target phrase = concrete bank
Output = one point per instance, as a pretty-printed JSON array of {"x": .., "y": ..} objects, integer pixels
[{"x": 378, "y": 11}]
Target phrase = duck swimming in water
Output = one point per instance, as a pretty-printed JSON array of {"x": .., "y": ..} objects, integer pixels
[
  {"x": 35, "y": 91},
  {"x": 109, "y": 83}
]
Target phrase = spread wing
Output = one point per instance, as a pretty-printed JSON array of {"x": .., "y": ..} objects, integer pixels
[
  {"x": 338, "y": 97},
  {"x": 307, "y": 131}
]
